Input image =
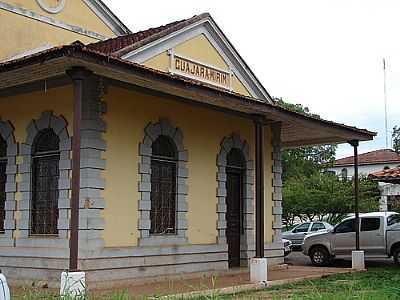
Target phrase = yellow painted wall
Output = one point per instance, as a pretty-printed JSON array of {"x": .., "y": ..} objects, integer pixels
[
  {"x": 200, "y": 49},
  {"x": 20, "y": 33},
  {"x": 75, "y": 12},
  {"x": 127, "y": 116},
  {"x": 21, "y": 109}
]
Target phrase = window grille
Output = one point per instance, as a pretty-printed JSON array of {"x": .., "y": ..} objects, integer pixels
[
  {"x": 235, "y": 159},
  {"x": 45, "y": 175},
  {"x": 236, "y": 165},
  {"x": 163, "y": 187},
  {"x": 3, "y": 180}
]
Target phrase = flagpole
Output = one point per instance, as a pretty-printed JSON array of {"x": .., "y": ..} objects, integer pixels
[{"x": 385, "y": 99}]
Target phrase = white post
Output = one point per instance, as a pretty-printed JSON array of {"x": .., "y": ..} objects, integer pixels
[
  {"x": 358, "y": 262},
  {"x": 73, "y": 284},
  {"x": 258, "y": 270},
  {"x": 383, "y": 203},
  {"x": 4, "y": 290}
]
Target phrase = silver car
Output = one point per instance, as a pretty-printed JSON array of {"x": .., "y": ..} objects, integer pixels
[
  {"x": 297, "y": 234},
  {"x": 287, "y": 246},
  {"x": 379, "y": 238}
]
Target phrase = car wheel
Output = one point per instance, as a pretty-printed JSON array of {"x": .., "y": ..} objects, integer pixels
[
  {"x": 319, "y": 256},
  {"x": 396, "y": 256}
]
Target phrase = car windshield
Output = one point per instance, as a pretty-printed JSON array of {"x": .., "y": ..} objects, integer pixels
[{"x": 393, "y": 219}]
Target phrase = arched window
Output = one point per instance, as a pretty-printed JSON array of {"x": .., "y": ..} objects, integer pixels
[
  {"x": 163, "y": 186},
  {"x": 344, "y": 173},
  {"x": 235, "y": 159},
  {"x": 3, "y": 180},
  {"x": 45, "y": 174}
]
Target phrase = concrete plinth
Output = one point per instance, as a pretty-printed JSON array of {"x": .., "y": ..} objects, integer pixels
[
  {"x": 358, "y": 262},
  {"x": 73, "y": 284},
  {"x": 258, "y": 270}
]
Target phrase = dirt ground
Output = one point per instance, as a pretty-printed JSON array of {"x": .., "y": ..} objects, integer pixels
[
  {"x": 235, "y": 278},
  {"x": 297, "y": 267}
]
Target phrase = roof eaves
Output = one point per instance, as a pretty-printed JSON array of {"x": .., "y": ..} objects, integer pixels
[{"x": 79, "y": 50}]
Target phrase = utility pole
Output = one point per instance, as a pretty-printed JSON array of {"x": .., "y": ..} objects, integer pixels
[{"x": 385, "y": 100}]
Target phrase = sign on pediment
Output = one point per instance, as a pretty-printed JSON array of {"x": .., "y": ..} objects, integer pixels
[{"x": 200, "y": 71}]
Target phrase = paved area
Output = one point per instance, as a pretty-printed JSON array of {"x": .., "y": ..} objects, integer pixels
[{"x": 297, "y": 258}]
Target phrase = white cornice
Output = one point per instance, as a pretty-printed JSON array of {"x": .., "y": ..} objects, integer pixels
[
  {"x": 207, "y": 27},
  {"x": 51, "y": 21},
  {"x": 106, "y": 15}
]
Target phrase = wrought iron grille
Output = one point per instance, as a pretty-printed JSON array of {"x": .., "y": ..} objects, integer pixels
[
  {"x": 3, "y": 180},
  {"x": 163, "y": 187},
  {"x": 163, "y": 191},
  {"x": 236, "y": 165},
  {"x": 45, "y": 175},
  {"x": 235, "y": 159}
]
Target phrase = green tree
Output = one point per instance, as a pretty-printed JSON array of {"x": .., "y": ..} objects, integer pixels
[
  {"x": 325, "y": 196},
  {"x": 396, "y": 139},
  {"x": 309, "y": 192},
  {"x": 305, "y": 161}
]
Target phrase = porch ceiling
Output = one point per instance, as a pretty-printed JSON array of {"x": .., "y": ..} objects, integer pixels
[{"x": 47, "y": 69}]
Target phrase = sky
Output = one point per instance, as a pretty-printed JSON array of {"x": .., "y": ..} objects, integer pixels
[{"x": 324, "y": 54}]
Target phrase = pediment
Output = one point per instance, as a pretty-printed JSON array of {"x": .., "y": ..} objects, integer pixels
[{"x": 200, "y": 51}]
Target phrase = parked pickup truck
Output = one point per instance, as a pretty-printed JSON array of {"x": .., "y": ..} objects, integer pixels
[{"x": 379, "y": 237}]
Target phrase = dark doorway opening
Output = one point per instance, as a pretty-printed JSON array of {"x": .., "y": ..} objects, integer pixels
[{"x": 234, "y": 201}]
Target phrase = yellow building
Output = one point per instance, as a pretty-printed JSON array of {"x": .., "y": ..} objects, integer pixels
[
  {"x": 30, "y": 26},
  {"x": 162, "y": 145}
]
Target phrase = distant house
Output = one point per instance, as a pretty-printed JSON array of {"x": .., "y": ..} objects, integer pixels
[
  {"x": 374, "y": 162},
  {"x": 369, "y": 162},
  {"x": 389, "y": 181}
]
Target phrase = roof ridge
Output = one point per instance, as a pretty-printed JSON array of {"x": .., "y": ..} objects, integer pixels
[
  {"x": 120, "y": 45},
  {"x": 378, "y": 150}
]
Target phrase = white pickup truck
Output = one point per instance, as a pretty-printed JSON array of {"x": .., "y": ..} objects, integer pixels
[{"x": 379, "y": 237}]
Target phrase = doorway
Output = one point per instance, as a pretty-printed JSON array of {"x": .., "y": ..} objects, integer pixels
[{"x": 234, "y": 202}]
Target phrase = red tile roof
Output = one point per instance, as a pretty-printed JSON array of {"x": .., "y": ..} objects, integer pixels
[
  {"x": 80, "y": 51},
  {"x": 123, "y": 44},
  {"x": 373, "y": 157},
  {"x": 389, "y": 175}
]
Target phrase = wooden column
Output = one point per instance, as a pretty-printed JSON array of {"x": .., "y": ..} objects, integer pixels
[
  {"x": 259, "y": 172},
  {"x": 355, "y": 143},
  {"x": 78, "y": 75}
]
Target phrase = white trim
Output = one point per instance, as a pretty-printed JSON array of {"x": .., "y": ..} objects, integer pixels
[
  {"x": 220, "y": 43},
  {"x": 44, "y": 19},
  {"x": 107, "y": 17},
  {"x": 50, "y": 9},
  {"x": 27, "y": 52}
]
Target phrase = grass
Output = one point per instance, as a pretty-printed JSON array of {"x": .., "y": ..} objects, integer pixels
[{"x": 377, "y": 283}]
